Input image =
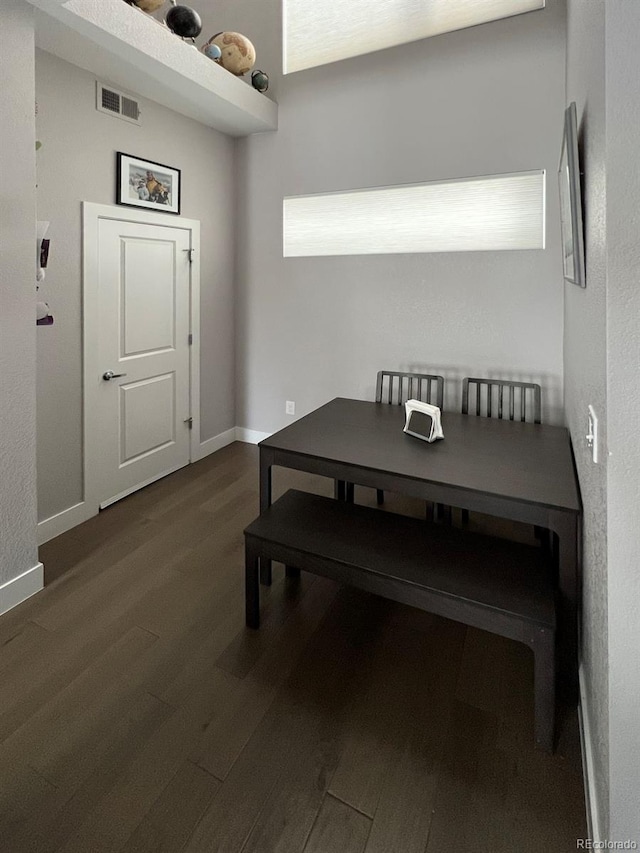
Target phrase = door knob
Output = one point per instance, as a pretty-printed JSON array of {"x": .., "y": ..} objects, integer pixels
[{"x": 109, "y": 374}]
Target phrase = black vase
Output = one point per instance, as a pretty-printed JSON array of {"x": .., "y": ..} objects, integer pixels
[{"x": 184, "y": 22}]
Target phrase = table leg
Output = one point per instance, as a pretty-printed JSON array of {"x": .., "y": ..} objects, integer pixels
[
  {"x": 544, "y": 690},
  {"x": 266, "y": 462},
  {"x": 567, "y": 528},
  {"x": 252, "y": 588}
]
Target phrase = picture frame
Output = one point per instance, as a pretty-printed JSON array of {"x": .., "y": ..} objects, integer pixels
[
  {"x": 147, "y": 184},
  {"x": 573, "y": 260}
]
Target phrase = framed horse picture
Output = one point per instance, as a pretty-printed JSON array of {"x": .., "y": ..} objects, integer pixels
[{"x": 143, "y": 183}]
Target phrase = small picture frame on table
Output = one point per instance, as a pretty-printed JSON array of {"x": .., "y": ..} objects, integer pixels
[{"x": 144, "y": 183}]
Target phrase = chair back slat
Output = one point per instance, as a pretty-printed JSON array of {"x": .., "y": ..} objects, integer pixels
[
  {"x": 523, "y": 400},
  {"x": 396, "y": 387}
]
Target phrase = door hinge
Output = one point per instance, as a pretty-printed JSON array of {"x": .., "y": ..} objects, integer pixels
[
  {"x": 190, "y": 251},
  {"x": 190, "y": 339},
  {"x": 189, "y": 421}
]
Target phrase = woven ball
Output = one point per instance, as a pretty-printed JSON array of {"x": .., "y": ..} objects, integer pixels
[{"x": 238, "y": 54}]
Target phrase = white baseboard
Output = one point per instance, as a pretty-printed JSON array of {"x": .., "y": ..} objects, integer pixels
[
  {"x": 62, "y": 521},
  {"x": 588, "y": 765},
  {"x": 250, "y": 436},
  {"x": 210, "y": 445},
  {"x": 18, "y": 589},
  {"x": 65, "y": 520},
  {"x": 76, "y": 514}
]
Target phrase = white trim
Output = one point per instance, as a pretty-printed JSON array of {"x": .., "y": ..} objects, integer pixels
[
  {"x": 251, "y": 436},
  {"x": 588, "y": 765},
  {"x": 18, "y": 589},
  {"x": 194, "y": 349},
  {"x": 68, "y": 518},
  {"x": 62, "y": 521},
  {"x": 210, "y": 445},
  {"x": 138, "y": 486},
  {"x": 91, "y": 215}
]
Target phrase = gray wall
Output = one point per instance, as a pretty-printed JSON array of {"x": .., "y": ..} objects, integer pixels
[
  {"x": 18, "y": 552},
  {"x": 481, "y": 101},
  {"x": 77, "y": 163},
  {"x": 623, "y": 393},
  {"x": 602, "y": 353},
  {"x": 585, "y": 366}
]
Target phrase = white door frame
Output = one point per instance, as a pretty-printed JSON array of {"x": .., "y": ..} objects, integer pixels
[{"x": 91, "y": 216}]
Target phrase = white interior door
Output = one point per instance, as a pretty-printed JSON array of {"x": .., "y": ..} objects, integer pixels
[{"x": 141, "y": 386}]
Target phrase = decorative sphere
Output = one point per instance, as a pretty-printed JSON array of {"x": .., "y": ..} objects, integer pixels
[
  {"x": 260, "y": 81},
  {"x": 212, "y": 51},
  {"x": 238, "y": 54},
  {"x": 184, "y": 22},
  {"x": 146, "y": 5}
]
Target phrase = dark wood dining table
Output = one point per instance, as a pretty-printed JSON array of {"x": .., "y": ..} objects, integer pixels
[{"x": 512, "y": 470}]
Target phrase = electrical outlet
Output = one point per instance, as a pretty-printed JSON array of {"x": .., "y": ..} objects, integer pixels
[
  {"x": 592, "y": 434},
  {"x": 290, "y": 407}
]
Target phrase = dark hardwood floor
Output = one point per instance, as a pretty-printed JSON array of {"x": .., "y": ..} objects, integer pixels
[{"x": 138, "y": 715}]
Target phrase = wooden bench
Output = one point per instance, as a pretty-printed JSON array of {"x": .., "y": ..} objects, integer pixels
[{"x": 503, "y": 587}]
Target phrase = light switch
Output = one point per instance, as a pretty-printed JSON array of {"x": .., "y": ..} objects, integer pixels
[{"x": 592, "y": 434}]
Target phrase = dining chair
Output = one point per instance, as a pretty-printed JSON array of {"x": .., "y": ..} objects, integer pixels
[
  {"x": 501, "y": 398},
  {"x": 395, "y": 388},
  {"x": 504, "y": 399}
]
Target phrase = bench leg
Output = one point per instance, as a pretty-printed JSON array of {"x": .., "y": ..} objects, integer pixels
[
  {"x": 265, "y": 572},
  {"x": 291, "y": 572},
  {"x": 343, "y": 491},
  {"x": 545, "y": 678},
  {"x": 251, "y": 588}
]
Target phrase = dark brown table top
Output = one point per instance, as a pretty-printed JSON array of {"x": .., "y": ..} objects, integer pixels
[{"x": 517, "y": 461}]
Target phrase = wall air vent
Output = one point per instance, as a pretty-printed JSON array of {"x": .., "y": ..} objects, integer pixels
[{"x": 110, "y": 100}]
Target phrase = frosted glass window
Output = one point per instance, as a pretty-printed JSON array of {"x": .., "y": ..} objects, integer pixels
[
  {"x": 488, "y": 213},
  {"x": 321, "y": 31}
]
